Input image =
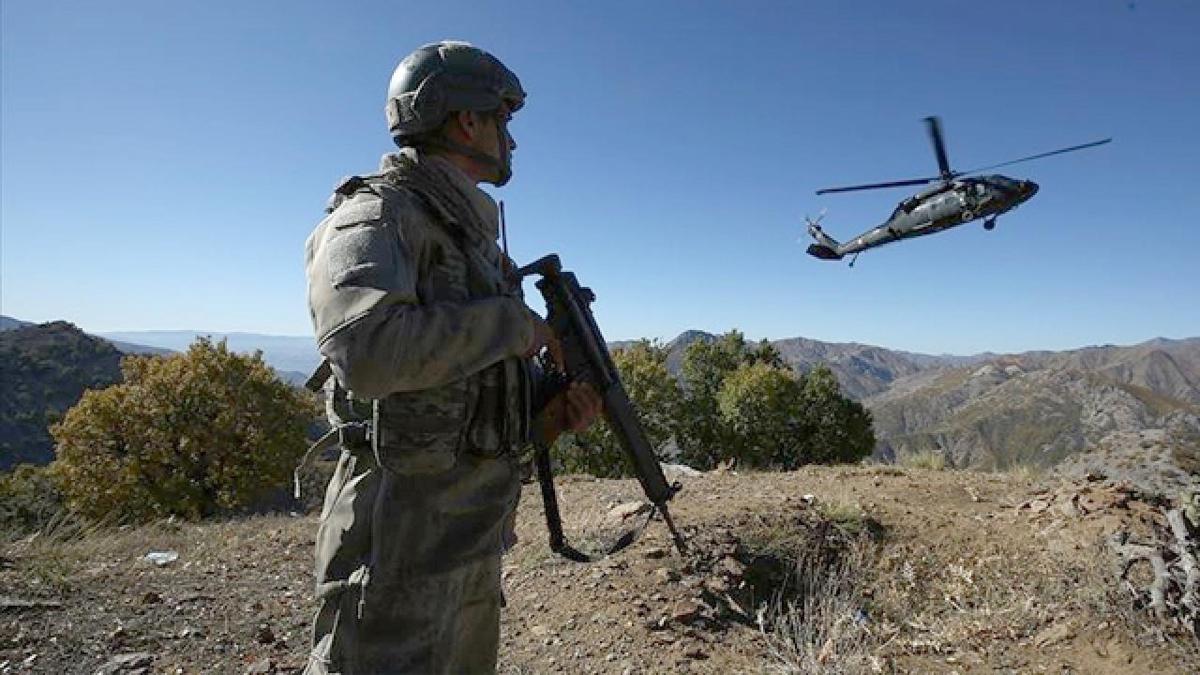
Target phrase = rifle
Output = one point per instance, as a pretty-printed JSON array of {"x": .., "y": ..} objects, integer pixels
[{"x": 569, "y": 314}]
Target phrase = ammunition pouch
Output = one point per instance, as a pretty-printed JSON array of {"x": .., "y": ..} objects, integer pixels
[{"x": 420, "y": 432}]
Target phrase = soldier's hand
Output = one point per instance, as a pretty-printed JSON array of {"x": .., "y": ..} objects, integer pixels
[
  {"x": 572, "y": 410},
  {"x": 543, "y": 336},
  {"x": 584, "y": 405}
]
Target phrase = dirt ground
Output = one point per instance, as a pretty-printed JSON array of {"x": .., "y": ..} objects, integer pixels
[{"x": 854, "y": 569}]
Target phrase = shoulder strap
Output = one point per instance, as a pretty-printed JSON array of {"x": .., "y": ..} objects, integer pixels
[{"x": 446, "y": 219}]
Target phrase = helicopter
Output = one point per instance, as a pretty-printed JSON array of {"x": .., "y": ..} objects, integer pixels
[{"x": 955, "y": 198}]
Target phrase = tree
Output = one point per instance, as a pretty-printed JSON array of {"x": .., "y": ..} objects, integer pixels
[
  {"x": 188, "y": 434},
  {"x": 781, "y": 420},
  {"x": 838, "y": 428},
  {"x": 701, "y": 432},
  {"x": 762, "y": 405},
  {"x": 655, "y": 396}
]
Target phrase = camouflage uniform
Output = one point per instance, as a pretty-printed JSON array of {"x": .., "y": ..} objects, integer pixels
[{"x": 413, "y": 310}]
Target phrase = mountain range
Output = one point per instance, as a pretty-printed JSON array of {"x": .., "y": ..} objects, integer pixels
[
  {"x": 1128, "y": 410},
  {"x": 985, "y": 410}
]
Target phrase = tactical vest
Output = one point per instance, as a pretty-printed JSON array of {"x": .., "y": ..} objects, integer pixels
[{"x": 486, "y": 413}]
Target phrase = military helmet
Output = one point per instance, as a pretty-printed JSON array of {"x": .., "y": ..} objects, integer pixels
[{"x": 443, "y": 77}]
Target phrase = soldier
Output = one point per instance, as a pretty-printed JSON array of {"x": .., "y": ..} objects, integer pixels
[{"x": 429, "y": 339}]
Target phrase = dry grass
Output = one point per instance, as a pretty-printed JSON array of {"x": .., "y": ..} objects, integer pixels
[
  {"x": 926, "y": 459},
  {"x": 1025, "y": 472},
  {"x": 818, "y": 622}
]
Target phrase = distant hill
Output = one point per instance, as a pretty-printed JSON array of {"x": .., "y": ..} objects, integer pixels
[
  {"x": 1131, "y": 405},
  {"x": 861, "y": 369},
  {"x": 293, "y": 356},
  {"x": 45, "y": 369},
  {"x": 9, "y": 323},
  {"x": 1139, "y": 404}
]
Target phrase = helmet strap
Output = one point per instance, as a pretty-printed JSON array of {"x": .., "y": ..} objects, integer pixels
[{"x": 503, "y": 165}]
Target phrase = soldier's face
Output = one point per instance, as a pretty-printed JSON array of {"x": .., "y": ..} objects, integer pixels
[{"x": 497, "y": 142}]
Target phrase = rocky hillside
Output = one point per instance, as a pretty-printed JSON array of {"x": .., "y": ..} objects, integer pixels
[
  {"x": 861, "y": 369},
  {"x": 1041, "y": 408},
  {"x": 45, "y": 369},
  {"x": 1128, "y": 404},
  {"x": 853, "y": 570}
]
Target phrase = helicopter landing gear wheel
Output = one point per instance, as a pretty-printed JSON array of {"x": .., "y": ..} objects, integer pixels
[
  {"x": 989, "y": 224},
  {"x": 968, "y": 215}
]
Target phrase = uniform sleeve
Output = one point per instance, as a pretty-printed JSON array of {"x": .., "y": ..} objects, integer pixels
[{"x": 363, "y": 270}]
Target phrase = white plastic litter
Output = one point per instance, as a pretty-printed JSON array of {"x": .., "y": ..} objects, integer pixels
[{"x": 161, "y": 558}]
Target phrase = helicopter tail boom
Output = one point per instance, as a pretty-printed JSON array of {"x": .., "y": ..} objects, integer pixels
[
  {"x": 823, "y": 252},
  {"x": 826, "y": 247}
]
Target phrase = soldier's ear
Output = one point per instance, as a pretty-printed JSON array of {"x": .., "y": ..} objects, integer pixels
[{"x": 466, "y": 123}]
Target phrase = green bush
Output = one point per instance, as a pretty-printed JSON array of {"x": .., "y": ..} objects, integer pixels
[
  {"x": 836, "y": 428},
  {"x": 781, "y": 420},
  {"x": 702, "y": 434},
  {"x": 29, "y": 499},
  {"x": 736, "y": 401},
  {"x": 188, "y": 434},
  {"x": 656, "y": 399},
  {"x": 762, "y": 405}
]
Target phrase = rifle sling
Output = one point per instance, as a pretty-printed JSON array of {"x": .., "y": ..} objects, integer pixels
[{"x": 558, "y": 542}]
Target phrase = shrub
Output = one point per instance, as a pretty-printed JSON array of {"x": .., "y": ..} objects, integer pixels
[
  {"x": 29, "y": 499},
  {"x": 737, "y": 401},
  {"x": 780, "y": 420},
  {"x": 701, "y": 431},
  {"x": 925, "y": 459},
  {"x": 188, "y": 434},
  {"x": 655, "y": 396},
  {"x": 762, "y": 407}
]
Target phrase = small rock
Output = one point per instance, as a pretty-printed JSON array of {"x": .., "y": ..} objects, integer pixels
[
  {"x": 733, "y": 567},
  {"x": 665, "y": 575},
  {"x": 1070, "y": 507},
  {"x": 696, "y": 653},
  {"x": 151, "y": 598},
  {"x": 125, "y": 663},
  {"x": 686, "y": 611},
  {"x": 264, "y": 634},
  {"x": 195, "y": 597},
  {"x": 716, "y": 585},
  {"x": 655, "y": 553},
  {"x": 539, "y": 631},
  {"x": 628, "y": 510},
  {"x": 1036, "y": 505},
  {"x": 1054, "y": 634},
  {"x": 260, "y": 667}
]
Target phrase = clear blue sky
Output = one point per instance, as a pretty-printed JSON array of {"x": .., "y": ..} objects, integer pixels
[{"x": 163, "y": 162}]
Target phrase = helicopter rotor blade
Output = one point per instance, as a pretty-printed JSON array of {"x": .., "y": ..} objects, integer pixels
[
  {"x": 875, "y": 186},
  {"x": 1073, "y": 148},
  {"x": 934, "y": 125}
]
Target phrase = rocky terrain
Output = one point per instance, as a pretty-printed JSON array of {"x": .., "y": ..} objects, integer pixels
[
  {"x": 1128, "y": 411},
  {"x": 1039, "y": 410},
  {"x": 833, "y": 570}
]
